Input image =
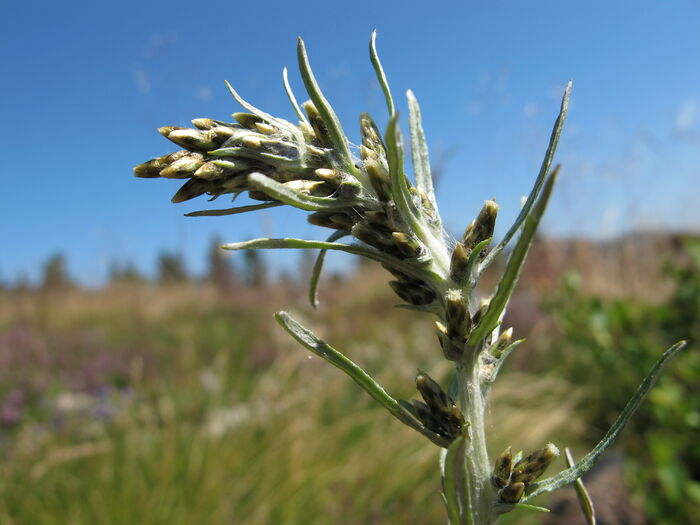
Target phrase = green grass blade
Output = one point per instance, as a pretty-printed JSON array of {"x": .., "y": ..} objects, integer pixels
[
  {"x": 318, "y": 266},
  {"x": 419, "y": 149},
  {"x": 374, "y": 57},
  {"x": 454, "y": 483},
  {"x": 584, "y": 499},
  {"x": 233, "y": 211},
  {"x": 515, "y": 262},
  {"x": 292, "y": 98},
  {"x": 322, "y": 349},
  {"x": 329, "y": 117},
  {"x": 571, "y": 474},
  {"x": 539, "y": 182},
  {"x": 282, "y": 193}
]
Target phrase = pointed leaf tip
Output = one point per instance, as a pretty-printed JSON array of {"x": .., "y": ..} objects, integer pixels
[{"x": 565, "y": 477}]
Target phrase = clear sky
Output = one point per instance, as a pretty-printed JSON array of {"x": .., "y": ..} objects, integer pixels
[{"x": 86, "y": 84}]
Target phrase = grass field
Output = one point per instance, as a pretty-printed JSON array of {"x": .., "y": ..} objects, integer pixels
[{"x": 180, "y": 405}]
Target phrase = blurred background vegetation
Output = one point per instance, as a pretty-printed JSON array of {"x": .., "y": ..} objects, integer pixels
[{"x": 178, "y": 400}]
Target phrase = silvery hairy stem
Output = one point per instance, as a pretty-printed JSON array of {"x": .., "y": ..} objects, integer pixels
[{"x": 365, "y": 195}]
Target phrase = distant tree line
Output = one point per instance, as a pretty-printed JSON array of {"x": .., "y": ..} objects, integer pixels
[{"x": 170, "y": 270}]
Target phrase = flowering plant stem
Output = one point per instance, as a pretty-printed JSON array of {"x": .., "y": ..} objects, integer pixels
[{"x": 394, "y": 221}]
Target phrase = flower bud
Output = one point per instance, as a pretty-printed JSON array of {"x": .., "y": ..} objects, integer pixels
[
  {"x": 501, "y": 343},
  {"x": 458, "y": 263},
  {"x": 482, "y": 227},
  {"x": 433, "y": 395},
  {"x": 166, "y": 130},
  {"x": 440, "y": 329},
  {"x": 377, "y": 217},
  {"x": 512, "y": 493},
  {"x": 153, "y": 167},
  {"x": 439, "y": 412},
  {"x": 265, "y": 128},
  {"x": 318, "y": 125},
  {"x": 247, "y": 120},
  {"x": 426, "y": 204},
  {"x": 313, "y": 150},
  {"x": 481, "y": 311},
  {"x": 367, "y": 153},
  {"x": 341, "y": 221},
  {"x": 193, "y": 139},
  {"x": 251, "y": 141},
  {"x": 425, "y": 415},
  {"x": 322, "y": 218},
  {"x": 374, "y": 237},
  {"x": 532, "y": 467},
  {"x": 310, "y": 187},
  {"x": 258, "y": 195},
  {"x": 204, "y": 123},
  {"x": 406, "y": 244},
  {"x": 413, "y": 293},
  {"x": 349, "y": 188},
  {"x": 221, "y": 134},
  {"x": 191, "y": 189},
  {"x": 371, "y": 138},
  {"x": 218, "y": 169},
  {"x": 307, "y": 130},
  {"x": 184, "y": 167},
  {"x": 457, "y": 315},
  {"x": 379, "y": 177},
  {"x": 502, "y": 469},
  {"x": 235, "y": 184},
  {"x": 332, "y": 177}
]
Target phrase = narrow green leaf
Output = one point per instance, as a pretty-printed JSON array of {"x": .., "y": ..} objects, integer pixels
[
  {"x": 399, "y": 184},
  {"x": 536, "y": 508},
  {"x": 370, "y": 253},
  {"x": 324, "y": 108},
  {"x": 318, "y": 266},
  {"x": 322, "y": 349},
  {"x": 571, "y": 474},
  {"x": 374, "y": 57},
  {"x": 473, "y": 258},
  {"x": 289, "y": 164},
  {"x": 514, "y": 265},
  {"x": 282, "y": 193},
  {"x": 419, "y": 149},
  {"x": 403, "y": 199},
  {"x": 423, "y": 308},
  {"x": 408, "y": 407},
  {"x": 539, "y": 182},
  {"x": 455, "y": 480},
  {"x": 233, "y": 211},
  {"x": 292, "y": 98},
  {"x": 584, "y": 499},
  {"x": 255, "y": 111}
]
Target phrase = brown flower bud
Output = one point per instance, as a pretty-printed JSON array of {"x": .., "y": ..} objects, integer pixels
[
  {"x": 512, "y": 493},
  {"x": 532, "y": 467},
  {"x": 502, "y": 469}
]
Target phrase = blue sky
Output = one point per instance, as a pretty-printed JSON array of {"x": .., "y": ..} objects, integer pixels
[{"x": 86, "y": 85}]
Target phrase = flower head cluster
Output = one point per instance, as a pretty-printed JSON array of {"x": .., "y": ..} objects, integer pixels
[{"x": 309, "y": 165}]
